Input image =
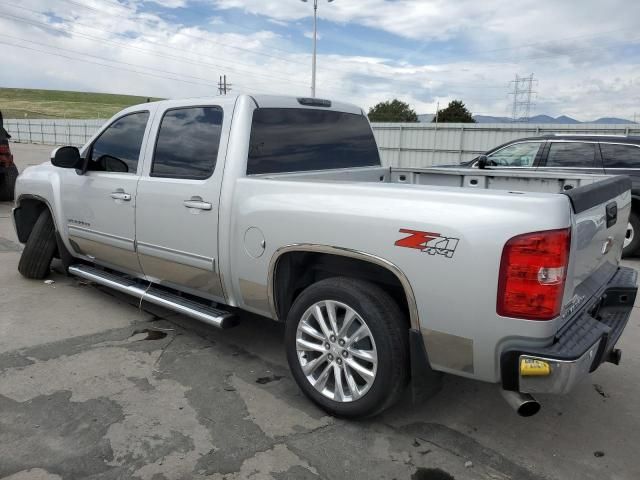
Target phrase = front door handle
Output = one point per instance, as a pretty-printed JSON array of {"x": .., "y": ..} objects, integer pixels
[
  {"x": 197, "y": 203},
  {"x": 120, "y": 195}
]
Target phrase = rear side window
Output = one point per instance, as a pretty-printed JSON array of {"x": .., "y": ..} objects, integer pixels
[
  {"x": 571, "y": 154},
  {"x": 297, "y": 140},
  {"x": 188, "y": 141},
  {"x": 117, "y": 149},
  {"x": 620, "y": 156}
]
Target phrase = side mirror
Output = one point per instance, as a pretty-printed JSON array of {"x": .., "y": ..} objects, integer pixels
[
  {"x": 482, "y": 161},
  {"x": 66, "y": 157}
]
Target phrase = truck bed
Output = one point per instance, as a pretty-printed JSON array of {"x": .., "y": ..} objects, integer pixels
[
  {"x": 594, "y": 253},
  {"x": 520, "y": 180}
]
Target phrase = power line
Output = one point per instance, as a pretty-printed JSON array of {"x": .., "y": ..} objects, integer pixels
[
  {"x": 144, "y": 50},
  {"x": 64, "y": 28},
  {"x": 181, "y": 75},
  {"x": 103, "y": 64},
  {"x": 138, "y": 72},
  {"x": 514, "y": 47},
  {"x": 238, "y": 25},
  {"x": 201, "y": 38},
  {"x": 132, "y": 47},
  {"x": 182, "y": 58},
  {"x": 554, "y": 41},
  {"x": 136, "y": 16}
]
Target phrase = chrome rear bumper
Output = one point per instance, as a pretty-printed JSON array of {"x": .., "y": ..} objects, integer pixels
[{"x": 580, "y": 347}]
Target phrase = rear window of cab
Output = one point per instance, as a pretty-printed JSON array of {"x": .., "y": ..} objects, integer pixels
[{"x": 300, "y": 139}]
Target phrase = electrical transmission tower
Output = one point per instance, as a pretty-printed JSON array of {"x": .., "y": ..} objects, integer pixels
[
  {"x": 523, "y": 94},
  {"x": 223, "y": 86}
]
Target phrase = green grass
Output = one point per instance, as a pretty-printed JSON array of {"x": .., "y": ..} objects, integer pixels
[{"x": 27, "y": 103}]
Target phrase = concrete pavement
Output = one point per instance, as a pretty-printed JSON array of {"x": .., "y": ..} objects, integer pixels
[{"x": 91, "y": 386}]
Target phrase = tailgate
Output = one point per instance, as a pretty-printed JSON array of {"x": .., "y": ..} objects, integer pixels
[{"x": 601, "y": 212}]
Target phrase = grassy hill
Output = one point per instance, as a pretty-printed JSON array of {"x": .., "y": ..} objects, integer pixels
[{"x": 27, "y": 103}]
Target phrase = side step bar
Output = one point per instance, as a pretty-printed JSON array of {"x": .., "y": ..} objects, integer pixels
[{"x": 199, "y": 311}]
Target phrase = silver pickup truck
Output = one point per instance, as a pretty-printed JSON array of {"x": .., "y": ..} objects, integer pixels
[{"x": 384, "y": 277}]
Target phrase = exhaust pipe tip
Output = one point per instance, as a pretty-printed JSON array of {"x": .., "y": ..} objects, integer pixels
[
  {"x": 523, "y": 403},
  {"x": 529, "y": 408}
]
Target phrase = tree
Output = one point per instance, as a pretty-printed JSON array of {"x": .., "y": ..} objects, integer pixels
[
  {"x": 392, "y": 111},
  {"x": 455, "y": 112}
]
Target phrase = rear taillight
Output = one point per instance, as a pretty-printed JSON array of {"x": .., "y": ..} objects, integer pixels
[
  {"x": 6, "y": 158},
  {"x": 533, "y": 270}
]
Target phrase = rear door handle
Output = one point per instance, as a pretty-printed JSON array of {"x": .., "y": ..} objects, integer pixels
[
  {"x": 198, "y": 203},
  {"x": 120, "y": 195}
]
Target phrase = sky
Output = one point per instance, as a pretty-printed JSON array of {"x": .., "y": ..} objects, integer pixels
[{"x": 584, "y": 54}]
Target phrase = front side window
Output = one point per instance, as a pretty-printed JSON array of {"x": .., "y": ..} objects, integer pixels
[
  {"x": 188, "y": 142},
  {"x": 117, "y": 149},
  {"x": 620, "y": 156},
  {"x": 572, "y": 154},
  {"x": 298, "y": 140},
  {"x": 516, "y": 155}
]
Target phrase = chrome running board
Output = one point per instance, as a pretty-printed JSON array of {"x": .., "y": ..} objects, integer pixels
[{"x": 194, "y": 309}]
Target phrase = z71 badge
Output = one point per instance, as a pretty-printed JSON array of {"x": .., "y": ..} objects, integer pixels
[{"x": 428, "y": 242}]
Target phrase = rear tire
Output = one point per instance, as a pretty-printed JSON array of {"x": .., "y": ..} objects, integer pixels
[
  {"x": 35, "y": 261},
  {"x": 382, "y": 347},
  {"x": 632, "y": 240},
  {"x": 8, "y": 184}
]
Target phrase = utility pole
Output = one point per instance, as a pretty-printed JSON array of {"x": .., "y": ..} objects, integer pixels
[
  {"x": 315, "y": 40},
  {"x": 223, "y": 86},
  {"x": 522, "y": 97}
]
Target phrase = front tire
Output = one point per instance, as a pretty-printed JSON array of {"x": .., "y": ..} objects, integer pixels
[
  {"x": 632, "y": 237},
  {"x": 347, "y": 347},
  {"x": 35, "y": 261},
  {"x": 8, "y": 184}
]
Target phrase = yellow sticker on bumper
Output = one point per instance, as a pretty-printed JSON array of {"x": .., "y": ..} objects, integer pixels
[{"x": 534, "y": 368}]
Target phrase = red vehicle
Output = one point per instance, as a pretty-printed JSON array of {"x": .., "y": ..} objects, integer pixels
[{"x": 8, "y": 169}]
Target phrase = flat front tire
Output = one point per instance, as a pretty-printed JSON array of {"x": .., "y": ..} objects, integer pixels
[
  {"x": 35, "y": 261},
  {"x": 347, "y": 347}
]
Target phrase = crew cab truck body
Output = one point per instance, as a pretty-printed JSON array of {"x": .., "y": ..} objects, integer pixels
[{"x": 280, "y": 206}]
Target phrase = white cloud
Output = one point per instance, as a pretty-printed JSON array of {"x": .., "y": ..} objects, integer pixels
[
  {"x": 169, "y": 3},
  {"x": 579, "y": 74},
  {"x": 529, "y": 20}
]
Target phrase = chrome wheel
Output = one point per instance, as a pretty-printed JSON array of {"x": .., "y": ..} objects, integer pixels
[
  {"x": 628, "y": 238},
  {"x": 336, "y": 351}
]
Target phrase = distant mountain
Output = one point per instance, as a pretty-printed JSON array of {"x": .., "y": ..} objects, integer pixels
[
  {"x": 613, "y": 120},
  {"x": 562, "y": 119},
  {"x": 489, "y": 119}
]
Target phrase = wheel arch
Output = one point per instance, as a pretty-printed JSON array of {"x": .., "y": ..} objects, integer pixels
[
  {"x": 28, "y": 209},
  {"x": 283, "y": 286}
]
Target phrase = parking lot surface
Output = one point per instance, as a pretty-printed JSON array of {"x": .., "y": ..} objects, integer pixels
[{"x": 94, "y": 385}]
